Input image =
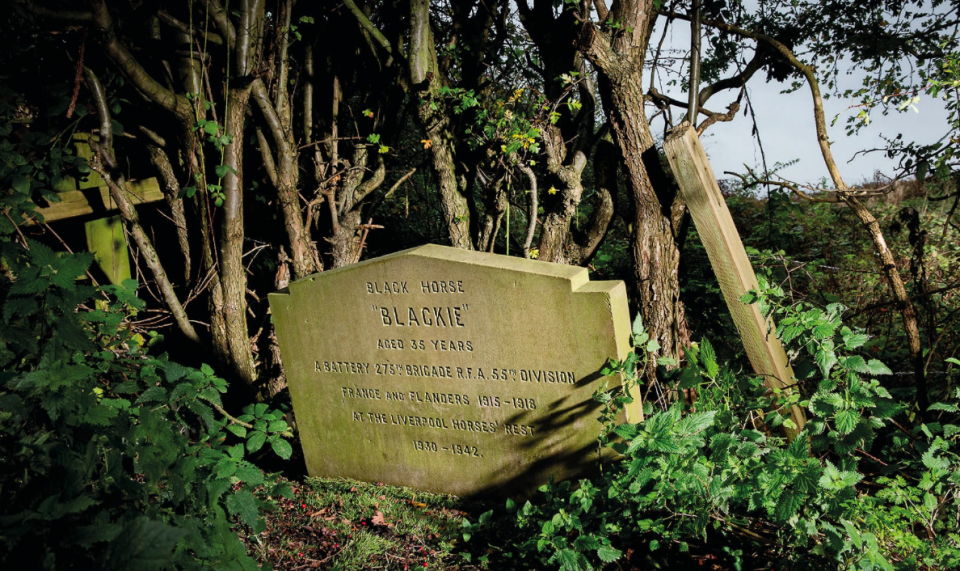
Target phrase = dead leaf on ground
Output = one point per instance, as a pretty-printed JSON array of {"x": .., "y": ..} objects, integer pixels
[{"x": 377, "y": 519}]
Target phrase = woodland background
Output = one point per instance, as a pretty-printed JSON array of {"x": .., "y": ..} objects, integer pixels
[{"x": 296, "y": 137}]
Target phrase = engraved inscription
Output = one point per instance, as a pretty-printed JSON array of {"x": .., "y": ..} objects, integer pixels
[
  {"x": 448, "y": 316},
  {"x": 420, "y": 369}
]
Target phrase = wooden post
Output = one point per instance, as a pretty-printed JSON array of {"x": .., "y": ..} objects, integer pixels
[
  {"x": 108, "y": 244},
  {"x": 729, "y": 260}
]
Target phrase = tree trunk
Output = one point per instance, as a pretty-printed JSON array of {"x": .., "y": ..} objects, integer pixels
[
  {"x": 433, "y": 113},
  {"x": 618, "y": 55},
  {"x": 233, "y": 273}
]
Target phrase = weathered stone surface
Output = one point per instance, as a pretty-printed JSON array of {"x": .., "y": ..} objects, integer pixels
[{"x": 449, "y": 370}]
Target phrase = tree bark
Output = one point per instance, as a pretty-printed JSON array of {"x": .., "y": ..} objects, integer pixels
[
  {"x": 233, "y": 273},
  {"x": 425, "y": 77},
  {"x": 618, "y": 55}
]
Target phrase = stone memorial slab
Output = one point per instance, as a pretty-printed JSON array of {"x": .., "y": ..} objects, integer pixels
[{"x": 449, "y": 370}]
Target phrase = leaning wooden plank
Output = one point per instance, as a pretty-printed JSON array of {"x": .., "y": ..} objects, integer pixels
[
  {"x": 728, "y": 259},
  {"x": 97, "y": 200}
]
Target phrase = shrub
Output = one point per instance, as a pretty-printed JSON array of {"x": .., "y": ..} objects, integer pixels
[
  {"x": 111, "y": 458},
  {"x": 857, "y": 489}
]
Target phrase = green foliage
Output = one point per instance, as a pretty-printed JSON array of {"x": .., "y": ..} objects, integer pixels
[
  {"x": 717, "y": 468},
  {"x": 111, "y": 458}
]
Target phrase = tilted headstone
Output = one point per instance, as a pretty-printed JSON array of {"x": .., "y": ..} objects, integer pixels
[{"x": 450, "y": 370}]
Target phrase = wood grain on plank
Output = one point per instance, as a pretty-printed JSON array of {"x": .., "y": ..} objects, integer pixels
[
  {"x": 729, "y": 260},
  {"x": 97, "y": 200}
]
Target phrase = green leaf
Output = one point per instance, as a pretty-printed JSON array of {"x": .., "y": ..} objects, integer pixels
[
  {"x": 856, "y": 363},
  {"x": 223, "y": 170},
  {"x": 570, "y": 560},
  {"x": 281, "y": 447},
  {"x": 826, "y": 359},
  {"x": 244, "y": 505},
  {"x": 637, "y": 326},
  {"x": 709, "y": 358},
  {"x": 855, "y": 340},
  {"x": 608, "y": 554},
  {"x": 853, "y": 533},
  {"x": 250, "y": 474},
  {"x": 21, "y": 183},
  {"x": 237, "y": 430},
  {"x": 145, "y": 545},
  {"x": 255, "y": 441},
  {"x": 846, "y": 421},
  {"x": 878, "y": 368},
  {"x": 277, "y": 426}
]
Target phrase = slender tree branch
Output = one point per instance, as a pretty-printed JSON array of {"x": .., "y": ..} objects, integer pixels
[
  {"x": 176, "y": 24},
  {"x": 71, "y": 15},
  {"x": 532, "y": 226},
  {"x": 131, "y": 68},
  {"x": 371, "y": 29},
  {"x": 129, "y": 213}
]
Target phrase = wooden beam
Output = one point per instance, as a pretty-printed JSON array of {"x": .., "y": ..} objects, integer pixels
[
  {"x": 729, "y": 260},
  {"x": 97, "y": 200},
  {"x": 108, "y": 244}
]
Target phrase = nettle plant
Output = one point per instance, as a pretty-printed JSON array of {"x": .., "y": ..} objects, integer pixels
[
  {"x": 852, "y": 491},
  {"x": 111, "y": 458}
]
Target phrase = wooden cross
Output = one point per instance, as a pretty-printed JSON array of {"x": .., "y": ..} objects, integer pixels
[{"x": 105, "y": 237}]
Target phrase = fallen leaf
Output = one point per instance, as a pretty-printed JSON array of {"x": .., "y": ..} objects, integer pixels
[{"x": 378, "y": 519}]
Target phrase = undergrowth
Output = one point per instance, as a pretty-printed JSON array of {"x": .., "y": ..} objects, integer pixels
[
  {"x": 112, "y": 458},
  {"x": 869, "y": 482}
]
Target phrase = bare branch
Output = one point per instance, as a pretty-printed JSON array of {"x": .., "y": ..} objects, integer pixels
[
  {"x": 532, "y": 226},
  {"x": 176, "y": 24},
  {"x": 129, "y": 214},
  {"x": 131, "y": 68},
  {"x": 71, "y": 15}
]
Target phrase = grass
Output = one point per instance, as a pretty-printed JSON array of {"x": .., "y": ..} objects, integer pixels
[{"x": 345, "y": 525}]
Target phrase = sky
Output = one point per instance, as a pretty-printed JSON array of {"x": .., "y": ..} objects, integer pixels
[{"x": 786, "y": 128}]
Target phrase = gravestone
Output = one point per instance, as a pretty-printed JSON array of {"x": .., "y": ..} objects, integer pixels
[{"x": 450, "y": 370}]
